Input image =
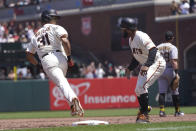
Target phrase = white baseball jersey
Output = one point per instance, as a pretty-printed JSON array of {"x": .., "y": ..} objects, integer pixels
[
  {"x": 47, "y": 39},
  {"x": 169, "y": 52},
  {"x": 140, "y": 46},
  {"x": 46, "y": 42}
]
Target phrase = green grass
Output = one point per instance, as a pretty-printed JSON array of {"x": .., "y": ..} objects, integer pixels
[
  {"x": 165, "y": 126},
  {"x": 88, "y": 113}
]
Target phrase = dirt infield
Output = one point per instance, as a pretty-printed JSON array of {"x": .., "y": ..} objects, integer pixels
[{"x": 59, "y": 122}]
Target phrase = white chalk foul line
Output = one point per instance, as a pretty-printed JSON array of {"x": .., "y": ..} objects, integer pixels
[{"x": 168, "y": 128}]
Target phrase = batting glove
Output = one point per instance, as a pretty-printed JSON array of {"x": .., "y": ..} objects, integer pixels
[{"x": 70, "y": 61}]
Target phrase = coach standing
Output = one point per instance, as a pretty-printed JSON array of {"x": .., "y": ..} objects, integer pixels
[{"x": 170, "y": 54}]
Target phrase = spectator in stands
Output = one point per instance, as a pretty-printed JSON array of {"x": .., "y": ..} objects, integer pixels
[
  {"x": 10, "y": 38},
  {"x": 2, "y": 74},
  {"x": 2, "y": 31},
  {"x": 4, "y": 39},
  {"x": 174, "y": 8},
  {"x": 82, "y": 70},
  {"x": 16, "y": 3},
  {"x": 111, "y": 71},
  {"x": 184, "y": 7},
  {"x": 122, "y": 71},
  {"x": 20, "y": 76},
  {"x": 28, "y": 74},
  {"x": 42, "y": 75},
  {"x": 11, "y": 75},
  {"x": 99, "y": 71},
  {"x": 23, "y": 39},
  {"x": 89, "y": 72}
]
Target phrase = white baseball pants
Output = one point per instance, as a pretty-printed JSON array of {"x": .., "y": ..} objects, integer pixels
[
  {"x": 55, "y": 66},
  {"x": 153, "y": 73}
]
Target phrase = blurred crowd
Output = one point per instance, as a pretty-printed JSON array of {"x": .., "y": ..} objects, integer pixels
[
  {"x": 18, "y": 3},
  {"x": 184, "y": 8},
  {"x": 88, "y": 71},
  {"x": 22, "y": 32}
]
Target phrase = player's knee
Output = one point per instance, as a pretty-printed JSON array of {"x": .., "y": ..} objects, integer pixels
[{"x": 140, "y": 90}]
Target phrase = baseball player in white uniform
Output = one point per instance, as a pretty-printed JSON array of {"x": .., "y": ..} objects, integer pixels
[
  {"x": 170, "y": 54},
  {"x": 53, "y": 48},
  {"x": 145, "y": 53}
]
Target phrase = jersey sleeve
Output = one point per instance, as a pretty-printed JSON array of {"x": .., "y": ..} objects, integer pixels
[
  {"x": 60, "y": 31},
  {"x": 147, "y": 42},
  {"x": 31, "y": 47},
  {"x": 174, "y": 53}
]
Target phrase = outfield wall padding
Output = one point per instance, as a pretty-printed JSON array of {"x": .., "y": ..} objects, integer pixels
[{"x": 24, "y": 95}]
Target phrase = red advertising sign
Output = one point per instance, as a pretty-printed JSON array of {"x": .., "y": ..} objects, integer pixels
[
  {"x": 97, "y": 93},
  {"x": 87, "y": 2}
]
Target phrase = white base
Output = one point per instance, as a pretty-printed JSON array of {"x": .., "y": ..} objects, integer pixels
[{"x": 90, "y": 122}]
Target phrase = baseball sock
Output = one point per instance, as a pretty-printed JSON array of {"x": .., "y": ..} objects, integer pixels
[
  {"x": 176, "y": 102},
  {"x": 144, "y": 103},
  {"x": 139, "y": 100},
  {"x": 162, "y": 101}
]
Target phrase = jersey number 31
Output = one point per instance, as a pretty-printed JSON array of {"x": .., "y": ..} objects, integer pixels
[{"x": 43, "y": 40}]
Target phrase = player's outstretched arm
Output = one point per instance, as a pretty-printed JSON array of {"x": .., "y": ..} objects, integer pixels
[{"x": 31, "y": 58}]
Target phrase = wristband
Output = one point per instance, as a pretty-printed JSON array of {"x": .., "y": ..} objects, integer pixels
[{"x": 69, "y": 57}]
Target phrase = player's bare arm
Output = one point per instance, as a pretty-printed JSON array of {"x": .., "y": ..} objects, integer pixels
[
  {"x": 67, "y": 48},
  {"x": 174, "y": 63},
  {"x": 31, "y": 58},
  {"x": 66, "y": 45}
]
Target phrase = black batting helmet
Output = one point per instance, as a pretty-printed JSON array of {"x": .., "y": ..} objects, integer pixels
[
  {"x": 48, "y": 15},
  {"x": 169, "y": 35},
  {"x": 128, "y": 23}
]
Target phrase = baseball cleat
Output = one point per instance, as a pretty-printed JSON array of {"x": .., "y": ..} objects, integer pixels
[
  {"x": 76, "y": 108},
  {"x": 179, "y": 114},
  {"x": 139, "y": 113},
  {"x": 162, "y": 114},
  {"x": 142, "y": 119}
]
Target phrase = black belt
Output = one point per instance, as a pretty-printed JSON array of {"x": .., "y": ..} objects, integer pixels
[{"x": 50, "y": 52}]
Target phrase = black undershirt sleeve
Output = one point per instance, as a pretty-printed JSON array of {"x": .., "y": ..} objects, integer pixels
[
  {"x": 151, "y": 56},
  {"x": 134, "y": 63}
]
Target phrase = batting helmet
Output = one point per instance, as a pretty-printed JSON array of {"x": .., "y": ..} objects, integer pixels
[
  {"x": 169, "y": 35},
  {"x": 128, "y": 23},
  {"x": 48, "y": 15}
]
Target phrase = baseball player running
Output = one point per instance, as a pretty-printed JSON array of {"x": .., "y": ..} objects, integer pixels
[
  {"x": 53, "y": 48},
  {"x": 145, "y": 53},
  {"x": 170, "y": 54}
]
